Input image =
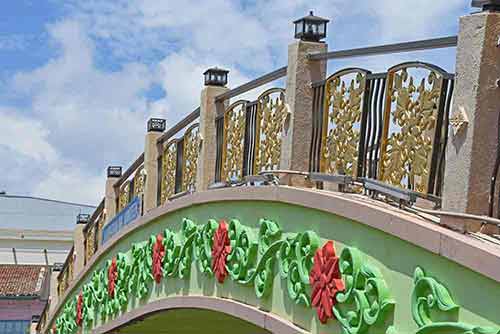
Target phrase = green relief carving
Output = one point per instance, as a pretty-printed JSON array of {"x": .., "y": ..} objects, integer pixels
[
  {"x": 251, "y": 261},
  {"x": 139, "y": 272},
  {"x": 66, "y": 323},
  {"x": 296, "y": 260},
  {"x": 366, "y": 298},
  {"x": 434, "y": 310}
]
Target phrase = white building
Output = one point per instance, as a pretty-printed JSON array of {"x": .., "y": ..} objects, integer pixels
[{"x": 37, "y": 230}]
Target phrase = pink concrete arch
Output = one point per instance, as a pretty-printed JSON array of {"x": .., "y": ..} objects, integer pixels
[{"x": 238, "y": 310}]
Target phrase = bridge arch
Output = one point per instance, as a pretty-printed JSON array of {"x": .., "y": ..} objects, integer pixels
[
  {"x": 242, "y": 315},
  {"x": 398, "y": 250}
]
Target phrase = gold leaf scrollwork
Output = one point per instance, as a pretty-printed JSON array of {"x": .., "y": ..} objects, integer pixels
[
  {"x": 90, "y": 239},
  {"x": 271, "y": 114},
  {"x": 342, "y": 117},
  {"x": 169, "y": 163},
  {"x": 234, "y": 140},
  {"x": 124, "y": 197},
  {"x": 191, "y": 148},
  {"x": 410, "y": 115},
  {"x": 139, "y": 181}
]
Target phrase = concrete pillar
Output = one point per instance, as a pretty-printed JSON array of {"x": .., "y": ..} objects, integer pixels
[
  {"x": 110, "y": 195},
  {"x": 34, "y": 322},
  {"x": 79, "y": 247},
  {"x": 471, "y": 151},
  {"x": 54, "y": 298},
  {"x": 205, "y": 174},
  {"x": 151, "y": 154},
  {"x": 301, "y": 72}
]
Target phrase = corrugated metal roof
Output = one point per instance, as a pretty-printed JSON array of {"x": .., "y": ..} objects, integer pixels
[{"x": 24, "y": 212}]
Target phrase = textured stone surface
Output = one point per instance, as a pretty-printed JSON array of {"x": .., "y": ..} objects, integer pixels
[
  {"x": 151, "y": 154},
  {"x": 206, "y": 159},
  {"x": 299, "y": 97},
  {"x": 110, "y": 196},
  {"x": 470, "y": 155},
  {"x": 79, "y": 249}
]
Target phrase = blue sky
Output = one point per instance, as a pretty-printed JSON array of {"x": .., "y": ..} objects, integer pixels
[{"x": 79, "y": 79}]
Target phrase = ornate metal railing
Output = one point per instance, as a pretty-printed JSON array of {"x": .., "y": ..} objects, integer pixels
[
  {"x": 249, "y": 136},
  {"x": 92, "y": 232},
  {"x": 65, "y": 277},
  {"x": 133, "y": 187},
  {"x": 386, "y": 126},
  {"x": 178, "y": 164}
]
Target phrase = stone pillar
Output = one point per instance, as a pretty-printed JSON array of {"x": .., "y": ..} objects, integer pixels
[
  {"x": 301, "y": 73},
  {"x": 205, "y": 174},
  {"x": 110, "y": 196},
  {"x": 151, "y": 154},
  {"x": 79, "y": 244},
  {"x": 54, "y": 298},
  {"x": 472, "y": 146}
]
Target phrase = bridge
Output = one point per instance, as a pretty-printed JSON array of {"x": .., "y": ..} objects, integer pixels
[{"x": 351, "y": 202}]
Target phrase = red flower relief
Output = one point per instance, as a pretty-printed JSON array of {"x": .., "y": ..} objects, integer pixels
[
  {"x": 79, "y": 310},
  {"x": 220, "y": 249},
  {"x": 112, "y": 276},
  {"x": 158, "y": 255},
  {"x": 326, "y": 281}
]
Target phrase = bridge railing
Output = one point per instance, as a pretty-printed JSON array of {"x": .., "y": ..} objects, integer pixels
[
  {"x": 66, "y": 275},
  {"x": 178, "y": 163},
  {"x": 391, "y": 126},
  {"x": 249, "y": 136},
  {"x": 92, "y": 232}
]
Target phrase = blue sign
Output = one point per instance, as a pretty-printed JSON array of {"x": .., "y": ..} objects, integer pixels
[{"x": 129, "y": 213}]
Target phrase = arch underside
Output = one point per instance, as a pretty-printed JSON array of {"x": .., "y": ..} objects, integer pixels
[{"x": 197, "y": 314}]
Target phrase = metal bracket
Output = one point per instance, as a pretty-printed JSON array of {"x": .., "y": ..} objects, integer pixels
[{"x": 402, "y": 195}]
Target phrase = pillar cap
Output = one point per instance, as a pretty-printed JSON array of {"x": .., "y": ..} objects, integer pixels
[
  {"x": 82, "y": 218},
  {"x": 114, "y": 171},
  {"x": 487, "y": 5},
  {"x": 157, "y": 125}
]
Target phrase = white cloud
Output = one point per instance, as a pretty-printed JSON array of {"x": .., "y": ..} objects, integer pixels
[
  {"x": 97, "y": 116},
  {"x": 25, "y": 136}
]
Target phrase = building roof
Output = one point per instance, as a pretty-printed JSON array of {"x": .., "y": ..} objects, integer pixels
[
  {"x": 25, "y": 212},
  {"x": 21, "y": 280}
]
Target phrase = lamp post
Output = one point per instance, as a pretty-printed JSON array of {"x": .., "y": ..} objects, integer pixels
[
  {"x": 310, "y": 28},
  {"x": 215, "y": 77},
  {"x": 487, "y": 5}
]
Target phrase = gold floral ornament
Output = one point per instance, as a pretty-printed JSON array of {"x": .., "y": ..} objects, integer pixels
[
  {"x": 271, "y": 115},
  {"x": 191, "y": 149},
  {"x": 168, "y": 166},
  {"x": 90, "y": 239},
  {"x": 124, "y": 197},
  {"x": 342, "y": 121},
  {"x": 234, "y": 141},
  {"x": 139, "y": 181},
  {"x": 411, "y": 115}
]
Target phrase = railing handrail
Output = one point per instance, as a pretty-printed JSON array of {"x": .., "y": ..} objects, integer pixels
[
  {"x": 136, "y": 164},
  {"x": 94, "y": 216},
  {"x": 179, "y": 126},
  {"x": 262, "y": 80},
  {"x": 65, "y": 265},
  {"x": 427, "y": 44}
]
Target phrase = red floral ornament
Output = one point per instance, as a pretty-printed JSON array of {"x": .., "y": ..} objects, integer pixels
[
  {"x": 326, "y": 281},
  {"x": 220, "y": 249},
  {"x": 112, "y": 276},
  {"x": 79, "y": 310},
  {"x": 158, "y": 255}
]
